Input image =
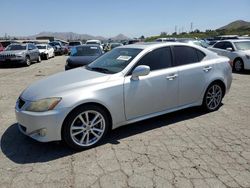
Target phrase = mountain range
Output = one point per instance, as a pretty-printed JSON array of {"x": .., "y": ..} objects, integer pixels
[
  {"x": 236, "y": 25},
  {"x": 76, "y": 36}
]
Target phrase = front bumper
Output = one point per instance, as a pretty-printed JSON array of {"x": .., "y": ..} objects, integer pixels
[
  {"x": 41, "y": 126},
  {"x": 13, "y": 60},
  {"x": 247, "y": 64}
]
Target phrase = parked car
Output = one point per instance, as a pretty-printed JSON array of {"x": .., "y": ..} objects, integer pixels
[
  {"x": 201, "y": 43},
  {"x": 165, "y": 40},
  {"x": 20, "y": 53},
  {"x": 115, "y": 45},
  {"x": 58, "y": 47},
  {"x": 83, "y": 55},
  {"x": 97, "y": 42},
  {"x": 238, "y": 51},
  {"x": 46, "y": 51},
  {"x": 128, "y": 84},
  {"x": 1, "y": 47},
  {"x": 73, "y": 44}
]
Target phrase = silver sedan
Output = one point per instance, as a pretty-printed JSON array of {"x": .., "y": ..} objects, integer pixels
[{"x": 128, "y": 84}]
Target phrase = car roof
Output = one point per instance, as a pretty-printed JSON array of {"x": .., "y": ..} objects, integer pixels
[{"x": 235, "y": 40}]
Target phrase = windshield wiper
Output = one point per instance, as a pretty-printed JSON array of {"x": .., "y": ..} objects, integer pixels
[{"x": 99, "y": 69}]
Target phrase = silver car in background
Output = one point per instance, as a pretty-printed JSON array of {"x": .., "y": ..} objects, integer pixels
[
  {"x": 128, "y": 84},
  {"x": 238, "y": 51}
]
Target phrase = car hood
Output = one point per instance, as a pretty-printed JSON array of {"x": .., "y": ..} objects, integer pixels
[
  {"x": 247, "y": 52},
  {"x": 81, "y": 60},
  {"x": 12, "y": 52},
  {"x": 55, "y": 85},
  {"x": 42, "y": 50}
]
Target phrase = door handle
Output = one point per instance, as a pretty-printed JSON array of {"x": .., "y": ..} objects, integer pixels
[
  {"x": 207, "y": 69},
  {"x": 172, "y": 76}
]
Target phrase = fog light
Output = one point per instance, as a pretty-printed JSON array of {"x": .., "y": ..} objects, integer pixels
[{"x": 42, "y": 132}]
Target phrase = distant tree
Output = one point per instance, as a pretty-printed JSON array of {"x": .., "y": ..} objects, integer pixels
[
  {"x": 174, "y": 33},
  {"x": 163, "y": 34},
  {"x": 197, "y": 31},
  {"x": 142, "y": 37}
]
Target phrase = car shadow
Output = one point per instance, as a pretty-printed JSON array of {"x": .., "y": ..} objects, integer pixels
[
  {"x": 245, "y": 72},
  {"x": 22, "y": 149},
  {"x": 11, "y": 65}
]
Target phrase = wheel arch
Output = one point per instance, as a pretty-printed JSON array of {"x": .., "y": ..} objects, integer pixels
[
  {"x": 85, "y": 104},
  {"x": 219, "y": 82}
]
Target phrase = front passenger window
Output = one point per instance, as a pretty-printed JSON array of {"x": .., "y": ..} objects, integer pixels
[{"x": 157, "y": 59}]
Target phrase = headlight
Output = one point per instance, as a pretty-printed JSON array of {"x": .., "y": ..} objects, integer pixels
[
  {"x": 247, "y": 56},
  {"x": 43, "y": 105}
]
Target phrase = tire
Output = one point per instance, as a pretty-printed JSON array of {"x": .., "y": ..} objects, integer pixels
[
  {"x": 85, "y": 127},
  {"x": 39, "y": 59},
  {"x": 213, "y": 97},
  {"x": 47, "y": 56},
  {"x": 27, "y": 61},
  {"x": 238, "y": 65}
]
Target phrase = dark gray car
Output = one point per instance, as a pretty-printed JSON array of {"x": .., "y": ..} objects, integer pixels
[
  {"x": 82, "y": 55},
  {"x": 21, "y": 54}
]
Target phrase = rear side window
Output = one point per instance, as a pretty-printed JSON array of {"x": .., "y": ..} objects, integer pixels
[
  {"x": 185, "y": 55},
  {"x": 200, "y": 55},
  {"x": 157, "y": 59}
]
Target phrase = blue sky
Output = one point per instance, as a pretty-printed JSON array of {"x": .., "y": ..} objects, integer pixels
[{"x": 111, "y": 17}]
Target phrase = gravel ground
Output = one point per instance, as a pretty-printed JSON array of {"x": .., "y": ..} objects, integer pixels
[{"x": 188, "y": 148}]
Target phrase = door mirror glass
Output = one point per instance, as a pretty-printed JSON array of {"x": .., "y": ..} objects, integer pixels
[
  {"x": 141, "y": 70},
  {"x": 229, "y": 49}
]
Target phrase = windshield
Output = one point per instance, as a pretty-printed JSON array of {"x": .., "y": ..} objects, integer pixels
[
  {"x": 85, "y": 51},
  {"x": 92, "y": 42},
  {"x": 74, "y": 43},
  {"x": 115, "y": 60},
  {"x": 16, "y": 47},
  {"x": 41, "y": 47},
  {"x": 245, "y": 45}
]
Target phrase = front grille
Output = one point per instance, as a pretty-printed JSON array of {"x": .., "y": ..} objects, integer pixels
[
  {"x": 21, "y": 102},
  {"x": 7, "y": 55}
]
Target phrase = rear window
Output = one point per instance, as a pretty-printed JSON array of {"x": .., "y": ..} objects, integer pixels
[
  {"x": 74, "y": 43},
  {"x": 185, "y": 55},
  {"x": 85, "y": 51}
]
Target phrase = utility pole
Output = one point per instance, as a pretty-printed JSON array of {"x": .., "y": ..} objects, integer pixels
[
  {"x": 175, "y": 29},
  {"x": 191, "y": 27}
]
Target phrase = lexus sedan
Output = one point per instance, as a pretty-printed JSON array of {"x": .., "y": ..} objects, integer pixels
[
  {"x": 83, "y": 55},
  {"x": 238, "y": 51},
  {"x": 128, "y": 84}
]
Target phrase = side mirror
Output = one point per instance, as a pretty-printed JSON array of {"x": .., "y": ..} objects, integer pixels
[
  {"x": 141, "y": 70},
  {"x": 229, "y": 49}
]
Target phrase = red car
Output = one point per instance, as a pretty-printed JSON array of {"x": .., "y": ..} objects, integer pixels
[{"x": 1, "y": 47}]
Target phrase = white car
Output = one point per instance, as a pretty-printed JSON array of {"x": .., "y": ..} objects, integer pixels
[
  {"x": 238, "y": 51},
  {"x": 128, "y": 84},
  {"x": 46, "y": 51},
  {"x": 97, "y": 42}
]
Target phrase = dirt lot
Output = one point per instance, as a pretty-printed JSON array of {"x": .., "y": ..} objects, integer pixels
[{"x": 181, "y": 149}]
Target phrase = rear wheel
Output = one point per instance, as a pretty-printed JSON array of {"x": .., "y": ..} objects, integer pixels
[
  {"x": 85, "y": 127},
  {"x": 238, "y": 65},
  {"x": 213, "y": 97},
  {"x": 27, "y": 61}
]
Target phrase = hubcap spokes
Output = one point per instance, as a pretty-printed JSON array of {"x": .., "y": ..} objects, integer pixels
[
  {"x": 213, "y": 98},
  {"x": 238, "y": 65},
  {"x": 87, "y": 128}
]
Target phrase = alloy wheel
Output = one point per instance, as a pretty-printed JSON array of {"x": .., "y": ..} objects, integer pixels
[
  {"x": 213, "y": 97},
  {"x": 87, "y": 128},
  {"x": 238, "y": 65}
]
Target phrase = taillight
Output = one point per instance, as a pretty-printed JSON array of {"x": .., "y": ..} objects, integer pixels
[{"x": 231, "y": 63}]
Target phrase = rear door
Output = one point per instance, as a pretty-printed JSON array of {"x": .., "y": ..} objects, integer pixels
[{"x": 192, "y": 73}]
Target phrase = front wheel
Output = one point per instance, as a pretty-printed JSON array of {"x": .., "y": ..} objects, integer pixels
[
  {"x": 213, "y": 97},
  {"x": 85, "y": 127},
  {"x": 27, "y": 61},
  {"x": 39, "y": 59}
]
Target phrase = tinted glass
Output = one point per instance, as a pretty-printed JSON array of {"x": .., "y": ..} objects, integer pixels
[
  {"x": 41, "y": 47},
  {"x": 158, "y": 59},
  {"x": 185, "y": 55},
  {"x": 227, "y": 45},
  {"x": 85, "y": 51},
  {"x": 74, "y": 43},
  {"x": 219, "y": 45},
  {"x": 200, "y": 55}
]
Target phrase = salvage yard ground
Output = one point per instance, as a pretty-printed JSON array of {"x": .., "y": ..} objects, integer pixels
[{"x": 188, "y": 148}]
